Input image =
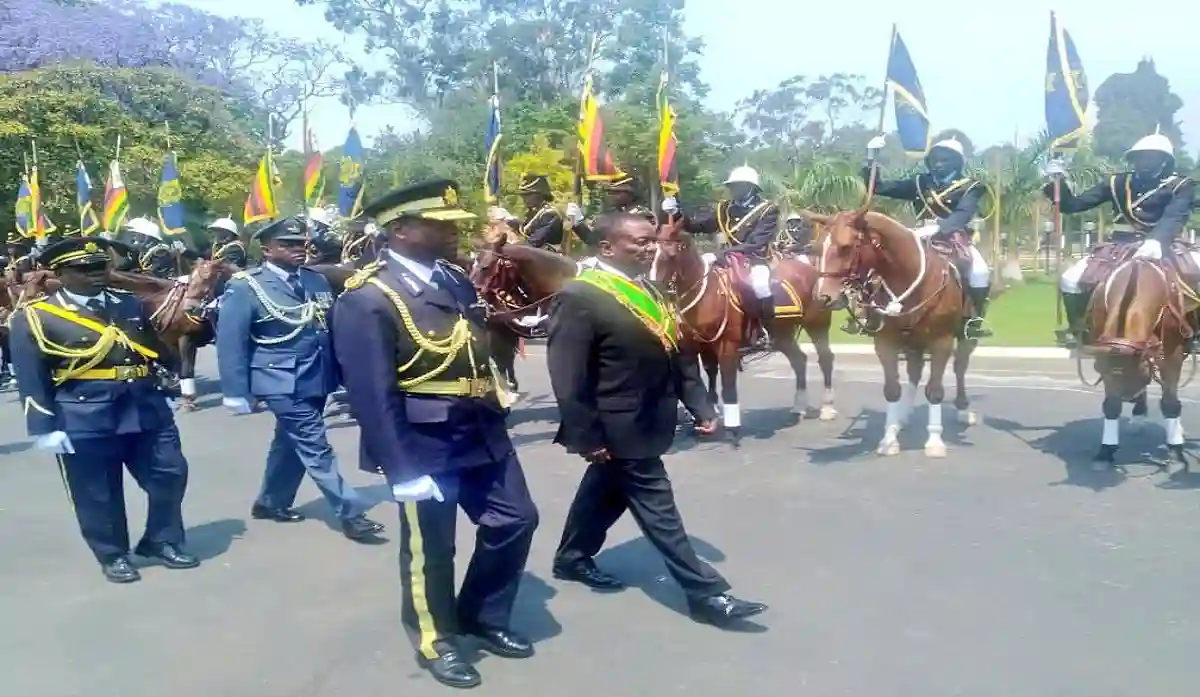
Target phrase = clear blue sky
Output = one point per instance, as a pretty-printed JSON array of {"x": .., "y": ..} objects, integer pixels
[{"x": 982, "y": 69}]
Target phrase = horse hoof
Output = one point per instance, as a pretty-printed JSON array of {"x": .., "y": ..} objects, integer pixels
[
  {"x": 888, "y": 448},
  {"x": 968, "y": 417},
  {"x": 828, "y": 413},
  {"x": 935, "y": 450},
  {"x": 1105, "y": 459},
  {"x": 1176, "y": 460},
  {"x": 188, "y": 406}
]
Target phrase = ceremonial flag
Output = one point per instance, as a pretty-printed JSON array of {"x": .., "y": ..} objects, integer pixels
[
  {"x": 24, "y": 209},
  {"x": 597, "y": 161},
  {"x": 912, "y": 115},
  {"x": 1066, "y": 90},
  {"x": 314, "y": 172},
  {"x": 260, "y": 204},
  {"x": 491, "y": 145},
  {"x": 350, "y": 176},
  {"x": 170, "y": 198},
  {"x": 88, "y": 222},
  {"x": 668, "y": 178},
  {"x": 43, "y": 224},
  {"x": 116, "y": 200}
]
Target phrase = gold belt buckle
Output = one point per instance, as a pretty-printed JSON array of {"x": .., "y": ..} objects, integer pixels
[
  {"x": 128, "y": 372},
  {"x": 471, "y": 387}
]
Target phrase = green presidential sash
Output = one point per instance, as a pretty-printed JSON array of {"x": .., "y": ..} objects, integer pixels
[{"x": 647, "y": 307}]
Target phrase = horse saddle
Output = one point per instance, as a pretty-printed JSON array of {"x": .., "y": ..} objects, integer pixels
[
  {"x": 956, "y": 248},
  {"x": 1105, "y": 258},
  {"x": 739, "y": 277}
]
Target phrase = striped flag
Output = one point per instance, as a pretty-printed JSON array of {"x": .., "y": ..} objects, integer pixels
[
  {"x": 116, "y": 200},
  {"x": 491, "y": 145},
  {"x": 668, "y": 178},
  {"x": 24, "y": 209},
  {"x": 170, "y": 198},
  {"x": 597, "y": 161},
  {"x": 260, "y": 204},
  {"x": 350, "y": 176},
  {"x": 1066, "y": 90},
  {"x": 314, "y": 172},
  {"x": 88, "y": 222},
  {"x": 912, "y": 113}
]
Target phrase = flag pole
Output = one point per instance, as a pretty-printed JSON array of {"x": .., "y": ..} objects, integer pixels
[{"x": 872, "y": 163}]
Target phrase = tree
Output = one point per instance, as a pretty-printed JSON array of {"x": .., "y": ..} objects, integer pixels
[
  {"x": 802, "y": 115},
  {"x": 1131, "y": 106},
  {"x": 76, "y": 112}
]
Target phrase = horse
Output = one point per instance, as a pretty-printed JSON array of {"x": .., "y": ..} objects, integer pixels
[
  {"x": 711, "y": 299},
  {"x": 516, "y": 282},
  {"x": 875, "y": 259},
  {"x": 180, "y": 313},
  {"x": 1137, "y": 330}
]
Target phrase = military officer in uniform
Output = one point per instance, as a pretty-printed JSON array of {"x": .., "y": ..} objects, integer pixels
[
  {"x": 85, "y": 361},
  {"x": 543, "y": 224},
  {"x": 273, "y": 345},
  {"x": 946, "y": 201},
  {"x": 616, "y": 373},
  {"x": 226, "y": 245},
  {"x": 796, "y": 238},
  {"x": 746, "y": 223},
  {"x": 1151, "y": 204},
  {"x": 412, "y": 341},
  {"x": 155, "y": 257}
]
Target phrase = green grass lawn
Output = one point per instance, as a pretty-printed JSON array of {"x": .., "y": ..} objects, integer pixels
[{"x": 1023, "y": 315}]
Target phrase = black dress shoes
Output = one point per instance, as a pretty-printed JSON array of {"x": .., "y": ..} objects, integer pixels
[
  {"x": 119, "y": 570},
  {"x": 501, "y": 642},
  {"x": 279, "y": 515},
  {"x": 361, "y": 528},
  {"x": 451, "y": 670},
  {"x": 171, "y": 556},
  {"x": 585, "y": 571},
  {"x": 723, "y": 609}
]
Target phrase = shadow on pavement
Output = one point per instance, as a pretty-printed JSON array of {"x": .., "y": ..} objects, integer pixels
[
  {"x": 372, "y": 495},
  {"x": 214, "y": 538}
]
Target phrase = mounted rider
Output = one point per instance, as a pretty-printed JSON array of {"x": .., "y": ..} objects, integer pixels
[
  {"x": 622, "y": 195},
  {"x": 227, "y": 246},
  {"x": 746, "y": 224},
  {"x": 154, "y": 256},
  {"x": 324, "y": 243},
  {"x": 543, "y": 225},
  {"x": 796, "y": 237},
  {"x": 946, "y": 201},
  {"x": 1151, "y": 206}
]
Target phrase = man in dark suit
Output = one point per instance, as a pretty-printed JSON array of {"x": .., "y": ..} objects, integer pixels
[
  {"x": 84, "y": 359},
  {"x": 412, "y": 341},
  {"x": 273, "y": 344},
  {"x": 616, "y": 374}
]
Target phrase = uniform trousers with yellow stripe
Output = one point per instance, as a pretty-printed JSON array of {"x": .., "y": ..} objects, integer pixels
[
  {"x": 496, "y": 499},
  {"x": 94, "y": 478}
]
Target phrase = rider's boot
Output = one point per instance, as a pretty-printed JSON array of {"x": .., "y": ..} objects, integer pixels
[
  {"x": 974, "y": 328},
  {"x": 766, "y": 313},
  {"x": 1192, "y": 345},
  {"x": 1075, "y": 306}
]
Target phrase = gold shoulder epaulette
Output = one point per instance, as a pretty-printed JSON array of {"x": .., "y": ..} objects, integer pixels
[
  {"x": 363, "y": 275},
  {"x": 454, "y": 266},
  {"x": 241, "y": 275}
]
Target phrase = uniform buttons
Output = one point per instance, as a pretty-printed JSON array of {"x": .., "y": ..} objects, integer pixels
[
  {"x": 127, "y": 360},
  {"x": 82, "y": 398},
  {"x": 129, "y": 380}
]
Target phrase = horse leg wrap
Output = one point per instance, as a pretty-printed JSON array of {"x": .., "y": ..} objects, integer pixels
[
  {"x": 1111, "y": 435},
  {"x": 800, "y": 403},
  {"x": 1174, "y": 430},
  {"x": 732, "y": 415},
  {"x": 934, "y": 445},
  {"x": 187, "y": 387}
]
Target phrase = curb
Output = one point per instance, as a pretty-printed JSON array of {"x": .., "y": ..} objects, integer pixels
[{"x": 1022, "y": 352}]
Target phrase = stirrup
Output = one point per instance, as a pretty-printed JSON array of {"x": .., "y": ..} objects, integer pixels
[{"x": 974, "y": 328}]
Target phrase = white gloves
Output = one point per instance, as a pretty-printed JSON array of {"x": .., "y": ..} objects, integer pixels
[
  {"x": 532, "y": 320},
  {"x": 55, "y": 442},
  {"x": 670, "y": 206},
  {"x": 237, "y": 405},
  {"x": 574, "y": 213},
  {"x": 418, "y": 489},
  {"x": 709, "y": 258},
  {"x": 496, "y": 213},
  {"x": 1054, "y": 168},
  {"x": 1150, "y": 249},
  {"x": 875, "y": 144},
  {"x": 178, "y": 246}
]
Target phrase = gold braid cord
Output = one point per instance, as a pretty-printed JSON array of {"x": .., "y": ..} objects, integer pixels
[
  {"x": 304, "y": 313},
  {"x": 447, "y": 348},
  {"x": 80, "y": 360}
]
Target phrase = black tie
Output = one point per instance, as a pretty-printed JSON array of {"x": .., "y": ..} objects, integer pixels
[{"x": 294, "y": 282}]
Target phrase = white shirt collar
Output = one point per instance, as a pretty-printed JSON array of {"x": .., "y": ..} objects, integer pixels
[
  {"x": 82, "y": 300},
  {"x": 420, "y": 270},
  {"x": 279, "y": 271}
]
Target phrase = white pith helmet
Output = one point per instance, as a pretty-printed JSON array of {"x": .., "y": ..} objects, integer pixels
[
  {"x": 144, "y": 226},
  {"x": 745, "y": 175},
  {"x": 952, "y": 145},
  {"x": 1155, "y": 142},
  {"x": 225, "y": 224},
  {"x": 320, "y": 215},
  {"x": 793, "y": 216}
]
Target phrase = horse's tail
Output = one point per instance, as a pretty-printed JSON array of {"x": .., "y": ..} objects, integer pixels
[{"x": 1132, "y": 306}]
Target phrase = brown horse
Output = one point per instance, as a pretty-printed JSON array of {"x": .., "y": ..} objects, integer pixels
[
  {"x": 1137, "y": 331},
  {"x": 516, "y": 282},
  {"x": 917, "y": 295},
  {"x": 710, "y": 300},
  {"x": 180, "y": 312}
]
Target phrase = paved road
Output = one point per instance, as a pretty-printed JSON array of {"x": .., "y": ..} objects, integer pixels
[{"x": 1007, "y": 569}]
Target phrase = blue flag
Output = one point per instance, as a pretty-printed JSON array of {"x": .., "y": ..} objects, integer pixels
[
  {"x": 350, "y": 176},
  {"x": 912, "y": 115},
  {"x": 89, "y": 222},
  {"x": 170, "y": 198},
  {"x": 491, "y": 145},
  {"x": 1066, "y": 90}
]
